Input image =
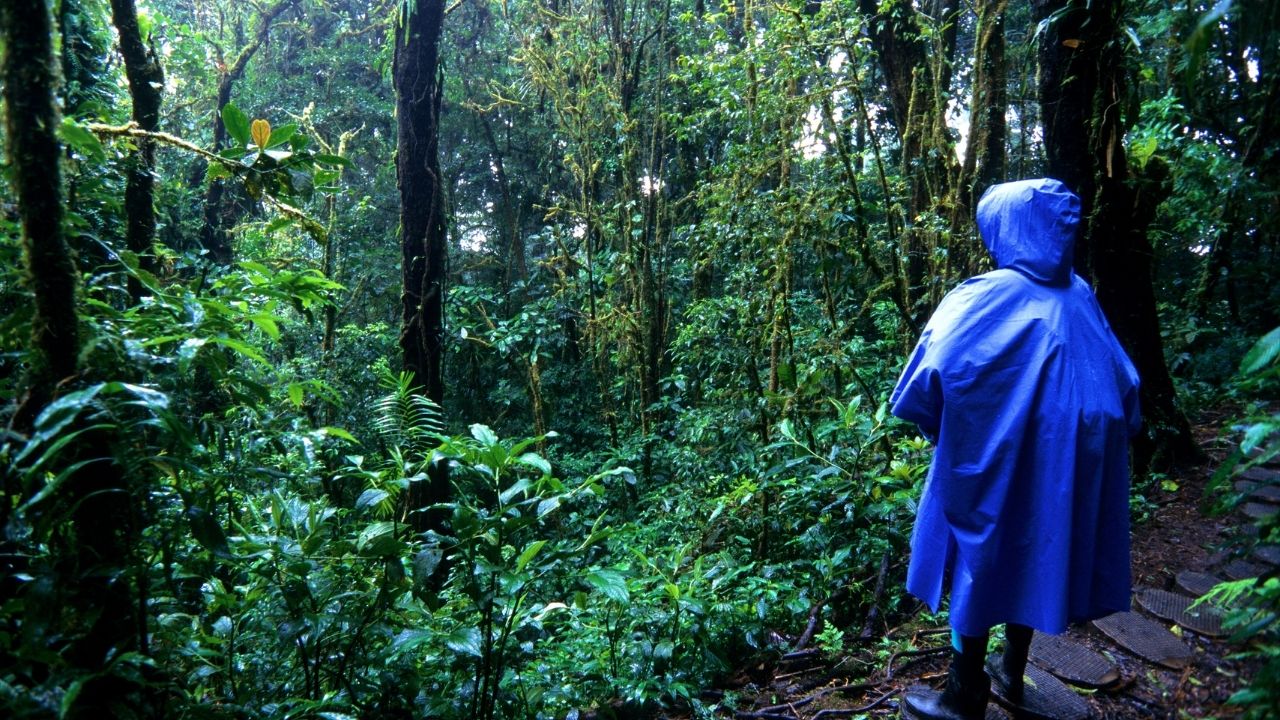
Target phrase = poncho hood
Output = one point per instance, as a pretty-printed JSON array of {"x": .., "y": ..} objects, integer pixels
[{"x": 1030, "y": 226}]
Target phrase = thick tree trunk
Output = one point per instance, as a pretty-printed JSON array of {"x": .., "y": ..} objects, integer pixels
[
  {"x": 146, "y": 80},
  {"x": 31, "y": 119},
  {"x": 1069, "y": 56},
  {"x": 94, "y": 553},
  {"x": 422, "y": 227},
  {"x": 1083, "y": 81},
  {"x": 917, "y": 74}
]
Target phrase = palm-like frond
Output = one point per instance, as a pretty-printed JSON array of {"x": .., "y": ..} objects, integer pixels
[{"x": 406, "y": 418}]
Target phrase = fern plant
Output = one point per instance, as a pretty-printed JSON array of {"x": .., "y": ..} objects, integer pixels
[
  {"x": 405, "y": 418},
  {"x": 411, "y": 426}
]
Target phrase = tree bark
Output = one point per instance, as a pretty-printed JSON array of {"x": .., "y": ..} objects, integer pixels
[
  {"x": 917, "y": 75},
  {"x": 146, "y": 80},
  {"x": 422, "y": 224},
  {"x": 93, "y": 556},
  {"x": 31, "y": 120},
  {"x": 1083, "y": 88},
  {"x": 422, "y": 227},
  {"x": 984, "y": 158}
]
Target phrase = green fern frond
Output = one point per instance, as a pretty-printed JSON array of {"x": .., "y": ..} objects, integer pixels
[{"x": 406, "y": 418}]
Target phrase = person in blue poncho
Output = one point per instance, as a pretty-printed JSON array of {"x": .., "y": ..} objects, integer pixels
[{"x": 1031, "y": 402}]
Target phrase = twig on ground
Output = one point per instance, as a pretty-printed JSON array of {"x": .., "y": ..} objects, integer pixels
[
  {"x": 917, "y": 654},
  {"x": 841, "y": 712}
]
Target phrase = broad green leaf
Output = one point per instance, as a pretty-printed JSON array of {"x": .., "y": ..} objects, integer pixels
[
  {"x": 325, "y": 159},
  {"x": 371, "y": 497},
  {"x": 81, "y": 138},
  {"x": 237, "y": 124},
  {"x": 465, "y": 641},
  {"x": 72, "y": 694},
  {"x": 267, "y": 324},
  {"x": 484, "y": 435},
  {"x": 331, "y": 431},
  {"x": 534, "y": 460},
  {"x": 377, "y": 539},
  {"x": 187, "y": 352},
  {"x": 206, "y": 530},
  {"x": 1263, "y": 353},
  {"x": 610, "y": 582},
  {"x": 295, "y": 394},
  {"x": 410, "y": 639},
  {"x": 529, "y": 554},
  {"x": 146, "y": 397},
  {"x": 785, "y": 429},
  {"x": 240, "y": 347},
  {"x": 548, "y": 506},
  {"x": 506, "y": 496},
  {"x": 281, "y": 135}
]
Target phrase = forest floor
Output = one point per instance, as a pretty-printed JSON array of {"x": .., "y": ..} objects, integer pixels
[{"x": 868, "y": 679}]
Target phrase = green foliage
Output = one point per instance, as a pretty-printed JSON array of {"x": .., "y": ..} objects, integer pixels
[{"x": 1254, "y": 603}]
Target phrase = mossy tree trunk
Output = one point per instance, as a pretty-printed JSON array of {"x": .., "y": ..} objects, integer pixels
[
  {"x": 1083, "y": 96},
  {"x": 35, "y": 157},
  {"x": 916, "y": 67},
  {"x": 984, "y": 158},
  {"x": 91, "y": 552},
  {"x": 146, "y": 82}
]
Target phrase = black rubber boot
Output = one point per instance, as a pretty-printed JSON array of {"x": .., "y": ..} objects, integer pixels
[
  {"x": 1007, "y": 671},
  {"x": 963, "y": 698}
]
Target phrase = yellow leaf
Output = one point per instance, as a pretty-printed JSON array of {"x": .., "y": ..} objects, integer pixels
[
  {"x": 261, "y": 132},
  {"x": 1071, "y": 43}
]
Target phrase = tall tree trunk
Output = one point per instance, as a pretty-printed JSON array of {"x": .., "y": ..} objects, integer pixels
[
  {"x": 93, "y": 557},
  {"x": 984, "y": 158},
  {"x": 917, "y": 75},
  {"x": 1083, "y": 90},
  {"x": 146, "y": 79},
  {"x": 1070, "y": 50},
  {"x": 422, "y": 227},
  {"x": 213, "y": 234},
  {"x": 31, "y": 119}
]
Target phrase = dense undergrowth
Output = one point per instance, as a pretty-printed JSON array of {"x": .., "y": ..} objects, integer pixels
[{"x": 276, "y": 569}]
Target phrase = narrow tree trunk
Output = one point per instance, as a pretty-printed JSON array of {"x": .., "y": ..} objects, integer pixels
[
  {"x": 213, "y": 236},
  {"x": 422, "y": 226},
  {"x": 146, "y": 80}
]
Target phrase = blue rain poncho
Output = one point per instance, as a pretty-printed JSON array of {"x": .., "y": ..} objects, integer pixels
[{"x": 1031, "y": 401}]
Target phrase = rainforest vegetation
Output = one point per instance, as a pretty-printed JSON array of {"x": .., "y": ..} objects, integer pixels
[{"x": 511, "y": 358}]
